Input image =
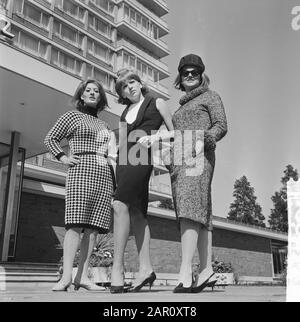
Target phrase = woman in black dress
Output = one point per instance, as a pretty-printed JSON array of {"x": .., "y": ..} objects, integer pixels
[
  {"x": 89, "y": 182},
  {"x": 139, "y": 124}
]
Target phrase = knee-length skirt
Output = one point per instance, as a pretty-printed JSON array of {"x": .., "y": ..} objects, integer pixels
[
  {"x": 192, "y": 193},
  {"x": 89, "y": 189}
]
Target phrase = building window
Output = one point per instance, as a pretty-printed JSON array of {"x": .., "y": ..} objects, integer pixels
[
  {"x": 99, "y": 25},
  {"x": 132, "y": 17},
  {"x": 155, "y": 76},
  {"x": 155, "y": 32},
  {"x": 97, "y": 50},
  {"x": 68, "y": 34},
  {"x": 126, "y": 13},
  {"x": 66, "y": 62},
  {"x": 101, "y": 77},
  {"x": 104, "y": 4},
  {"x": 71, "y": 9},
  {"x": 89, "y": 71},
  {"x": 29, "y": 43},
  {"x": 33, "y": 14},
  {"x": 129, "y": 60}
]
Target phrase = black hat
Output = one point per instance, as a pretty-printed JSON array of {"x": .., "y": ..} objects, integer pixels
[{"x": 191, "y": 60}]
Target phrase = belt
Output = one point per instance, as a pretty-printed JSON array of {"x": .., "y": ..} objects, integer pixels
[{"x": 91, "y": 153}]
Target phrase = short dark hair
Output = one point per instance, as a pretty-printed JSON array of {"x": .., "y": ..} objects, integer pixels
[
  {"x": 124, "y": 75},
  {"x": 78, "y": 103}
]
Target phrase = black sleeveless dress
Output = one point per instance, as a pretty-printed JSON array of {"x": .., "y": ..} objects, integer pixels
[{"x": 134, "y": 165}]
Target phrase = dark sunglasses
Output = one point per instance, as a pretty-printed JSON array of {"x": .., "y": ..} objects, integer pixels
[{"x": 194, "y": 73}]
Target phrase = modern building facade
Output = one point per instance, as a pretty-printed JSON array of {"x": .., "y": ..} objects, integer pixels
[{"x": 46, "y": 48}]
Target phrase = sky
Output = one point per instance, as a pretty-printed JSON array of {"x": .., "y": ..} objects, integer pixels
[{"x": 252, "y": 57}]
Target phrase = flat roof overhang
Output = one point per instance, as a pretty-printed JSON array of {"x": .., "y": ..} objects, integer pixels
[{"x": 33, "y": 94}]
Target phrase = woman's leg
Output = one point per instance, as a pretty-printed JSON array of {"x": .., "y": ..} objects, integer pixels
[
  {"x": 205, "y": 255},
  {"x": 121, "y": 234},
  {"x": 205, "y": 249},
  {"x": 71, "y": 243},
  {"x": 86, "y": 249},
  {"x": 141, "y": 231},
  {"x": 189, "y": 235}
]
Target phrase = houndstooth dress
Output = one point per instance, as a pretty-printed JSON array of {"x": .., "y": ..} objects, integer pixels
[{"x": 89, "y": 184}]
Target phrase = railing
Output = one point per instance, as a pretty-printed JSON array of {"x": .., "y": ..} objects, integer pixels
[
  {"x": 99, "y": 62},
  {"x": 23, "y": 20},
  {"x": 69, "y": 17},
  {"x": 100, "y": 36},
  {"x": 159, "y": 22},
  {"x": 101, "y": 11},
  {"x": 153, "y": 61},
  {"x": 68, "y": 45},
  {"x": 45, "y": 3}
]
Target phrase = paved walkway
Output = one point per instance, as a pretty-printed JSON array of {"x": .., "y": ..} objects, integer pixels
[{"x": 33, "y": 293}]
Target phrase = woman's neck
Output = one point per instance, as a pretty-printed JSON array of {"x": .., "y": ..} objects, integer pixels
[
  {"x": 139, "y": 100},
  {"x": 90, "y": 110}
]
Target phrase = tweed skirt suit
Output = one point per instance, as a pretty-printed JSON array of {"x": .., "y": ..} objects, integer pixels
[{"x": 201, "y": 109}]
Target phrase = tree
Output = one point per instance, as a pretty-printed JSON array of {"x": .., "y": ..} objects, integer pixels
[
  {"x": 279, "y": 214},
  {"x": 245, "y": 209}
]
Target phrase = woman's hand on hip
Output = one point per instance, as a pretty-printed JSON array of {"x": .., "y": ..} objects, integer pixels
[{"x": 70, "y": 161}]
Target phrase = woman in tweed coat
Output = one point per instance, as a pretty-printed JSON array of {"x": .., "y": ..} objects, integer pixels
[
  {"x": 89, "y": 181},
  {"x": 201, "y": 117}
]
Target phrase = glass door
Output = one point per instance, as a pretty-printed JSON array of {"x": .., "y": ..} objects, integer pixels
[{"x": 4, "y": 168}]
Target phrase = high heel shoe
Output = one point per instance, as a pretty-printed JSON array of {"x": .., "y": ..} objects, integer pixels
[
  {"x": 211, "y": 284},
  {"x": 149, "y": 280},
  {"x": 199, "y": 288},
  {"x": 119, "y": 289},
  {"x": 89, "y": 287},
  {"x": 181, "y": 289},
  {"x": 61, "y": 287}
]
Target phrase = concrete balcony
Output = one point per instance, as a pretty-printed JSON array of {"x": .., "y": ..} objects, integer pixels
[
  {"x": 149, "y": 60},
  {"x": 159, "y": 7},
  {"x": 100, "y": 11},
  {"x": 156, "y": 46},
  {"x": 29, "y": 24},
  {"x": 70, "y": 18},
  {"x": 45, "y": 3},
  {"x": 158, "y": 89},
  {"x": 160, "y": 23}
]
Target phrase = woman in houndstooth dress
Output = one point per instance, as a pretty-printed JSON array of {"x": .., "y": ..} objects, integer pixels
[{"x": 89, "y": 183}]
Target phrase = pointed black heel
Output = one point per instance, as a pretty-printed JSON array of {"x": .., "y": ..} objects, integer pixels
[
  {"x": 149, "y": 280},
  {"x": 201, "y": 287},
  {"x": 211, "y": 284},
  {"x": 119, "y": 289},
  {"x": 181, "y": 289}
]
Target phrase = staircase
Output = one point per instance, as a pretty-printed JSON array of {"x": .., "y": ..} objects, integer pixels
[{"x": 27, "y": 274}]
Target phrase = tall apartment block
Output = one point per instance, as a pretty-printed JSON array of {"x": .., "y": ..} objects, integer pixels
[{"x": 93, "y": 38}]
